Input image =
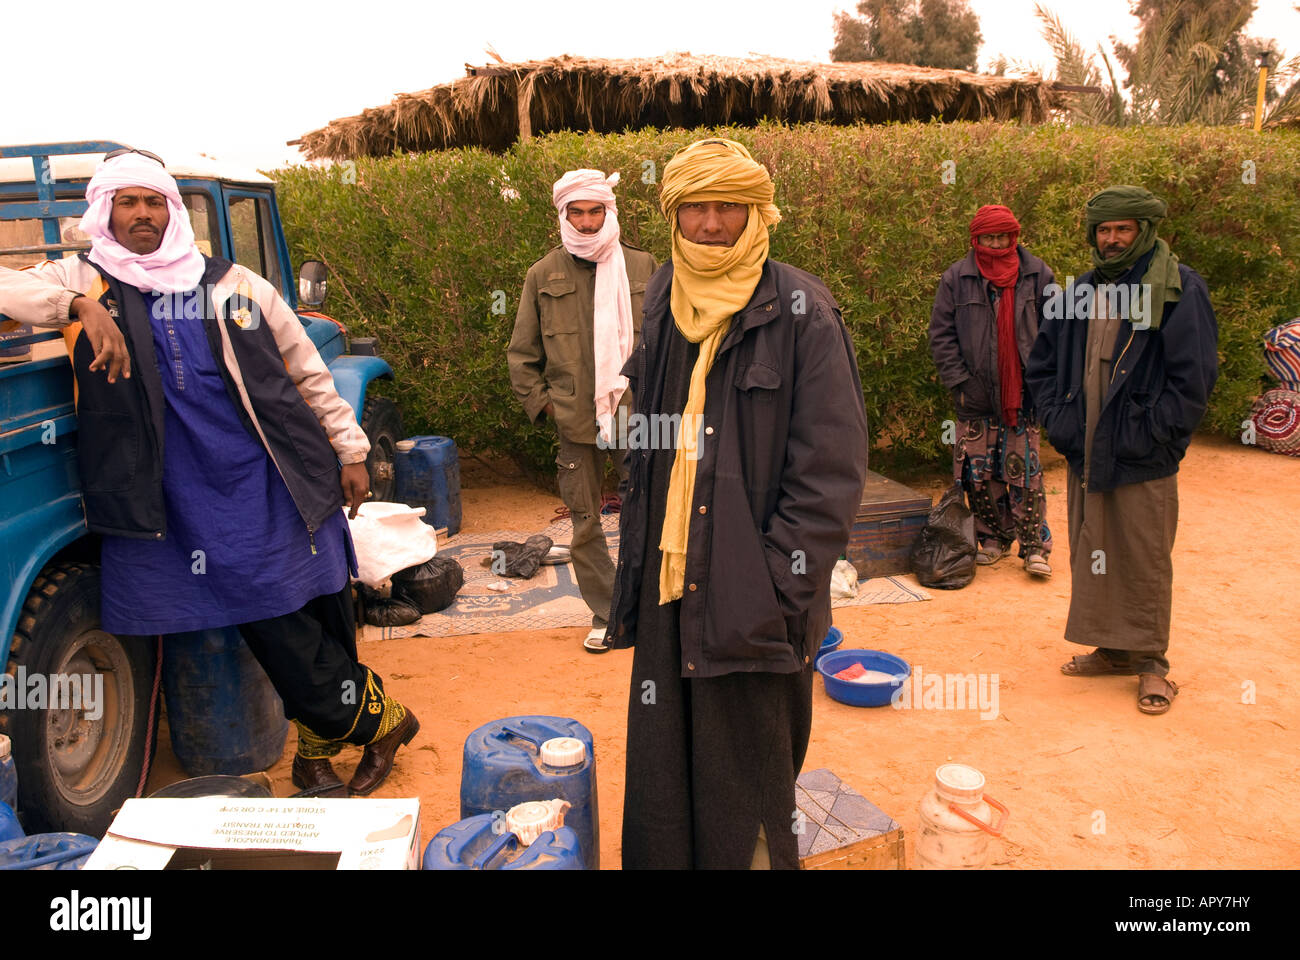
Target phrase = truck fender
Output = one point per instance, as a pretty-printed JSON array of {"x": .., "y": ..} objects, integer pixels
[
  {"x": 43, "y": 532},
  {"x": 352, "y": 375}
]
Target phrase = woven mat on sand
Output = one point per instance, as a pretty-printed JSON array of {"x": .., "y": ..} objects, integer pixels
[{"x": 550, "y": 599}]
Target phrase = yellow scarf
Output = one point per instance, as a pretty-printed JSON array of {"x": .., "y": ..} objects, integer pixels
[{"x": 710, "y": 284}]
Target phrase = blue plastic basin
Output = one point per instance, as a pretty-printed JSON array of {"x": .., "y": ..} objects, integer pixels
[
  {"x": 832, "y": 642},
  {"x": 862, "y": 694}
]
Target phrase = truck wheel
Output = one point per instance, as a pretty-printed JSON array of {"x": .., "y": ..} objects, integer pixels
[
  {"x": 382, "y": 422},
  {"x": 79, "y": 758}
]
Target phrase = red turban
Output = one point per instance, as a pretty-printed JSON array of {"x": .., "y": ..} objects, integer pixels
[
  {"x": 994, "y": 218},
  {"x": 1002, "y": 269}
]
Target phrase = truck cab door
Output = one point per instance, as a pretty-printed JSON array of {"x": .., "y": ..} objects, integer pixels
[{"x": 256, "y": 239}]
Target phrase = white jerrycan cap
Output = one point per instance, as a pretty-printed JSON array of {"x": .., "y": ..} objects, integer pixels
[
  {"x": 4, "y": 747},
  {"x": 563, "y": 752},
  {"x": 530, "y": 820},
  {"x": 405, "y": 445},
  {"x": 958, "y": 783}
]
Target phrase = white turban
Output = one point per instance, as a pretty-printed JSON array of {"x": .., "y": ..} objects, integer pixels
[
  {"x": 176, "y": 266},
  {"x": 612, "y": 330}
]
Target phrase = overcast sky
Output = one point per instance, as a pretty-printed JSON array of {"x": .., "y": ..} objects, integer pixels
[{"x": 237, "y": 79}]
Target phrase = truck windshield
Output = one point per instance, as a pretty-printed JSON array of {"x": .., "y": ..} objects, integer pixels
[{"x": 27, "y": 233}]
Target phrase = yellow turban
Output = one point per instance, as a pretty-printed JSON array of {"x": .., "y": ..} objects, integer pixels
[{"x": 710, "y": 284}]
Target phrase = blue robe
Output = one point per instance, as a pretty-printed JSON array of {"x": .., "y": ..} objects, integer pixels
[{"x": 236, "y": 548}]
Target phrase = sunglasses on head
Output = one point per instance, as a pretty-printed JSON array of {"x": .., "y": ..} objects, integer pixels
[{"x": 122, "y": 151}]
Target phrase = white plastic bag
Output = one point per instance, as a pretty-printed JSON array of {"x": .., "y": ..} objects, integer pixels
[
  {"x": 389, "y": 537},
  {"x": 844, "y": 581}
]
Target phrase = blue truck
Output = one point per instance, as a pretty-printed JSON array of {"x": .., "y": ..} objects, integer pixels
[{"x": 78, "y": 761}]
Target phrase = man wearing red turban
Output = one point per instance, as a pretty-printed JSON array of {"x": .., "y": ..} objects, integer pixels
[{"x": 982, "y": 329}]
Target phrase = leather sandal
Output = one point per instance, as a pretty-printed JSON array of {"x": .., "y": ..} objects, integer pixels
[
  {"x": 1159, "y": 691},
  {"x": 990, "y": 552},
  {"x": 1096, "y": 664}
]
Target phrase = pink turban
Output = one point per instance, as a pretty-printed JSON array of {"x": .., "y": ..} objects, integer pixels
[{"x": 176, "y": 266}]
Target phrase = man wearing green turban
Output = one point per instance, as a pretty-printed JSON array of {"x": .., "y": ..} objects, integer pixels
[{"x": 1121, "y": 376}]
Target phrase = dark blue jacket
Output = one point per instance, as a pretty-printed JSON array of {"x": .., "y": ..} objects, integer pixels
[
  {"x": 964, "y": 332},
  {"x": 1160, "y": 384},
  {"x": 783, "y": 460}
]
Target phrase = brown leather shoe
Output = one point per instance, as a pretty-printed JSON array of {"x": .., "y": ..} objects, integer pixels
[
  {"x": 377, "y": 761},
  {"x": 316, "y": 778}
]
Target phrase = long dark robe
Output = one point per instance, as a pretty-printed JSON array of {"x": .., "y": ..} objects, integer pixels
[
  {"x": 1121, "y": 568},
  {"x": 1121, "y": 541},
  {"x": 708, "y": 759}
]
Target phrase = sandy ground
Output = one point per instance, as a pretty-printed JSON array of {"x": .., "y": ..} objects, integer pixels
[{"x": 1089, "y": 780}]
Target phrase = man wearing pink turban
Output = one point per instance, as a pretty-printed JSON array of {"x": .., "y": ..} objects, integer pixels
[
  {"x": 215, "y": 457},
  {"x": 578, "y": 319}
]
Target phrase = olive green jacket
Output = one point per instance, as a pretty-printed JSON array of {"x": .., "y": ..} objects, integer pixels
[{"x": 551, "y": 354}]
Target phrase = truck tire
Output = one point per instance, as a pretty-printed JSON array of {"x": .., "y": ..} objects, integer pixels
[
  {"x": 382, "y": 423},
  {"x": 77, "y": 764}
]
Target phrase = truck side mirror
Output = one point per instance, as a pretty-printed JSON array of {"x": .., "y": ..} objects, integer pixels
[{"x": 312, "y": 285}]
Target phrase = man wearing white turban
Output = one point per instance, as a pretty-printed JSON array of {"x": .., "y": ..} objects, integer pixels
[
  {"x": 236, "y": 518},
  {"x": 577, "y": 322}
]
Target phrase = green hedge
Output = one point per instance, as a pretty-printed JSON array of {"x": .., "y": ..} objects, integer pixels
[{"x": 422, "y": 248}]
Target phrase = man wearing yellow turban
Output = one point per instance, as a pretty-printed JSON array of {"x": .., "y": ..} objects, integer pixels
[{"x": 732, "y": 524}]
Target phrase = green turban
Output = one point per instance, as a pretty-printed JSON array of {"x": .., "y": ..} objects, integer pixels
[{"x": 1161, "y": 276}]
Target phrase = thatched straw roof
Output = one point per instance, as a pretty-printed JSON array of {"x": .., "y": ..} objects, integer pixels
[{"x": 495, "y": 104}]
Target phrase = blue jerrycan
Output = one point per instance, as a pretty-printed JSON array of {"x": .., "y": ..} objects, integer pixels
[
  {"x": 426, "y": 473},
  {"x": 479, "y": 843},
  {"x": 10, "y": 828},
  {"x": 511, "y": 761},
  {"x": 47, "y": 851},
  {"x": 223, "y": 714}
]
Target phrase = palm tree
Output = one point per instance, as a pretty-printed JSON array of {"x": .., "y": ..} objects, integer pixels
[
  {"x": 1174, "y": 76},
  {"x": 1075, "y": 66}
]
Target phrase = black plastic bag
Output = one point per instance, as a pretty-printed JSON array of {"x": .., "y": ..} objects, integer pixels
[
  {"x": 944, "y": 554},
  {"x": 381, "y": 611},
  {"x": 429, "y": 586},
  {"x": 521, "y": 559}
]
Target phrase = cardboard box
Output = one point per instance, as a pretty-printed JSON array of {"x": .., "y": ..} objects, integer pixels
[
  {"x": 229, "y": 833},
  {"x": 890, "y": 518},
  {"x": 843, "y": 830}
]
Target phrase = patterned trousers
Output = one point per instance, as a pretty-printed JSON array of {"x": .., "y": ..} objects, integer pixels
[{"x": 1000, "y": 470}]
